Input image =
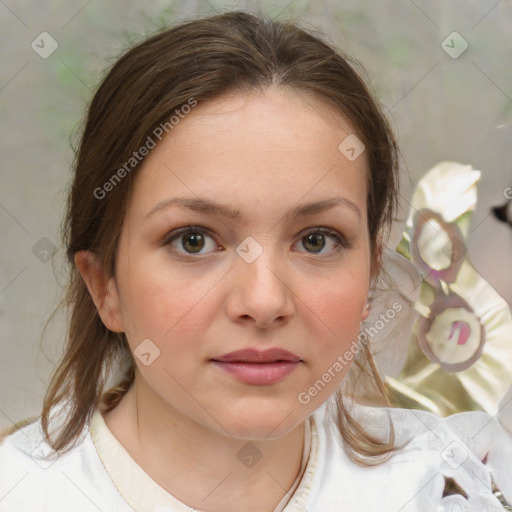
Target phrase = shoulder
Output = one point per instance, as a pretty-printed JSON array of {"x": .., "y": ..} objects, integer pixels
[
  {"x": 459, "y": 460},
  {"x": 34, "y": 477}
]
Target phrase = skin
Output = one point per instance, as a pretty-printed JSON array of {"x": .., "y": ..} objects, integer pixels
[{"x": 185, "y": 419}]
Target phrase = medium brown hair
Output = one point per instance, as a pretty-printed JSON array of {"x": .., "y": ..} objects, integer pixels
[{"x": 201, "y": 59}]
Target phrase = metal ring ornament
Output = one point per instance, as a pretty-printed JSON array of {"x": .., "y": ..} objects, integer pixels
[{"x": 448, "y": 274}]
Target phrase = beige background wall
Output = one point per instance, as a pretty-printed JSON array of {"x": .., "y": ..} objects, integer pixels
[{"x": 443, "y": 108}]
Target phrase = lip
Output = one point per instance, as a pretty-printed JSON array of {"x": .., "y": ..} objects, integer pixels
[
  {"x": 252, "y": 355},
  {"x": 259, "y": 368}
]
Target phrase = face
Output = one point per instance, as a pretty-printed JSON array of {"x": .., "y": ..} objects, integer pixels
[{"x": 269, "y": 270}]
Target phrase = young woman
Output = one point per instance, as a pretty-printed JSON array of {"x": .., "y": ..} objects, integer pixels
[{"x": 225, "y": 227}]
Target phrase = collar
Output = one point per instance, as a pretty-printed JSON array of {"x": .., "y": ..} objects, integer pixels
[{"x": 143, "y": 494}]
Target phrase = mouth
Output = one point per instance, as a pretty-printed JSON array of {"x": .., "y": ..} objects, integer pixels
[
  {"x": 259, "y": 368},
  {"x": 251, "y": 355}
]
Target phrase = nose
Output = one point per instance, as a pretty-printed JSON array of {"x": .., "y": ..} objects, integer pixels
[{"x": 260, "y": 291}]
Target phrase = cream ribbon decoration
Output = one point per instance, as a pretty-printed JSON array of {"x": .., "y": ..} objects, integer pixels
[{"x": 459, "y": 353}]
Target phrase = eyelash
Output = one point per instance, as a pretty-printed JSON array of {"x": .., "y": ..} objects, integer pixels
[{"x": 341, "y": 242}]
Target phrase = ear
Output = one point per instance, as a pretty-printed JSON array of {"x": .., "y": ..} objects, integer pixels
[
  {"x": 365, "y": 312},
  {"x": 102, "y": 288}
]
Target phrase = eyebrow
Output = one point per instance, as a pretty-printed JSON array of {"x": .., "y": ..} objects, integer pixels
[{"x": 208, "y": 207}]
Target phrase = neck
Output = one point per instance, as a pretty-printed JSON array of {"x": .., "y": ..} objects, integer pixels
[{"x": 174, "y": 451}]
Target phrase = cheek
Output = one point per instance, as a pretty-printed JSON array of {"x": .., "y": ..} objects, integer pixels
[
  {"x": 335, "y": 326},
  {"x": 341, "y": 319},
  {"x": 340, "y": 299},
  {"x": 335, "y": 312},
  {"x": 162, "y": 305},
  {"x": 173, "y": 316}
]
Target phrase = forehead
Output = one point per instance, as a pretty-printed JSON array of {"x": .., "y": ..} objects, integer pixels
[
  {"x": 279, "y": 117},
  {"x": 260, "y": 146}
]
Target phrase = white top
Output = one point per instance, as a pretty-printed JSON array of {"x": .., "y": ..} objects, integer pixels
[{"x": 98, "y": 474}]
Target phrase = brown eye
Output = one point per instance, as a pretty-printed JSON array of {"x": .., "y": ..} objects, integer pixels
[
  {"x": 191, "y": 241},
  {"x": 314, "y": 241}
]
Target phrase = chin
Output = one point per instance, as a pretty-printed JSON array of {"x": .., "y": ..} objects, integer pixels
[{"x": 263, "y": 423}]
